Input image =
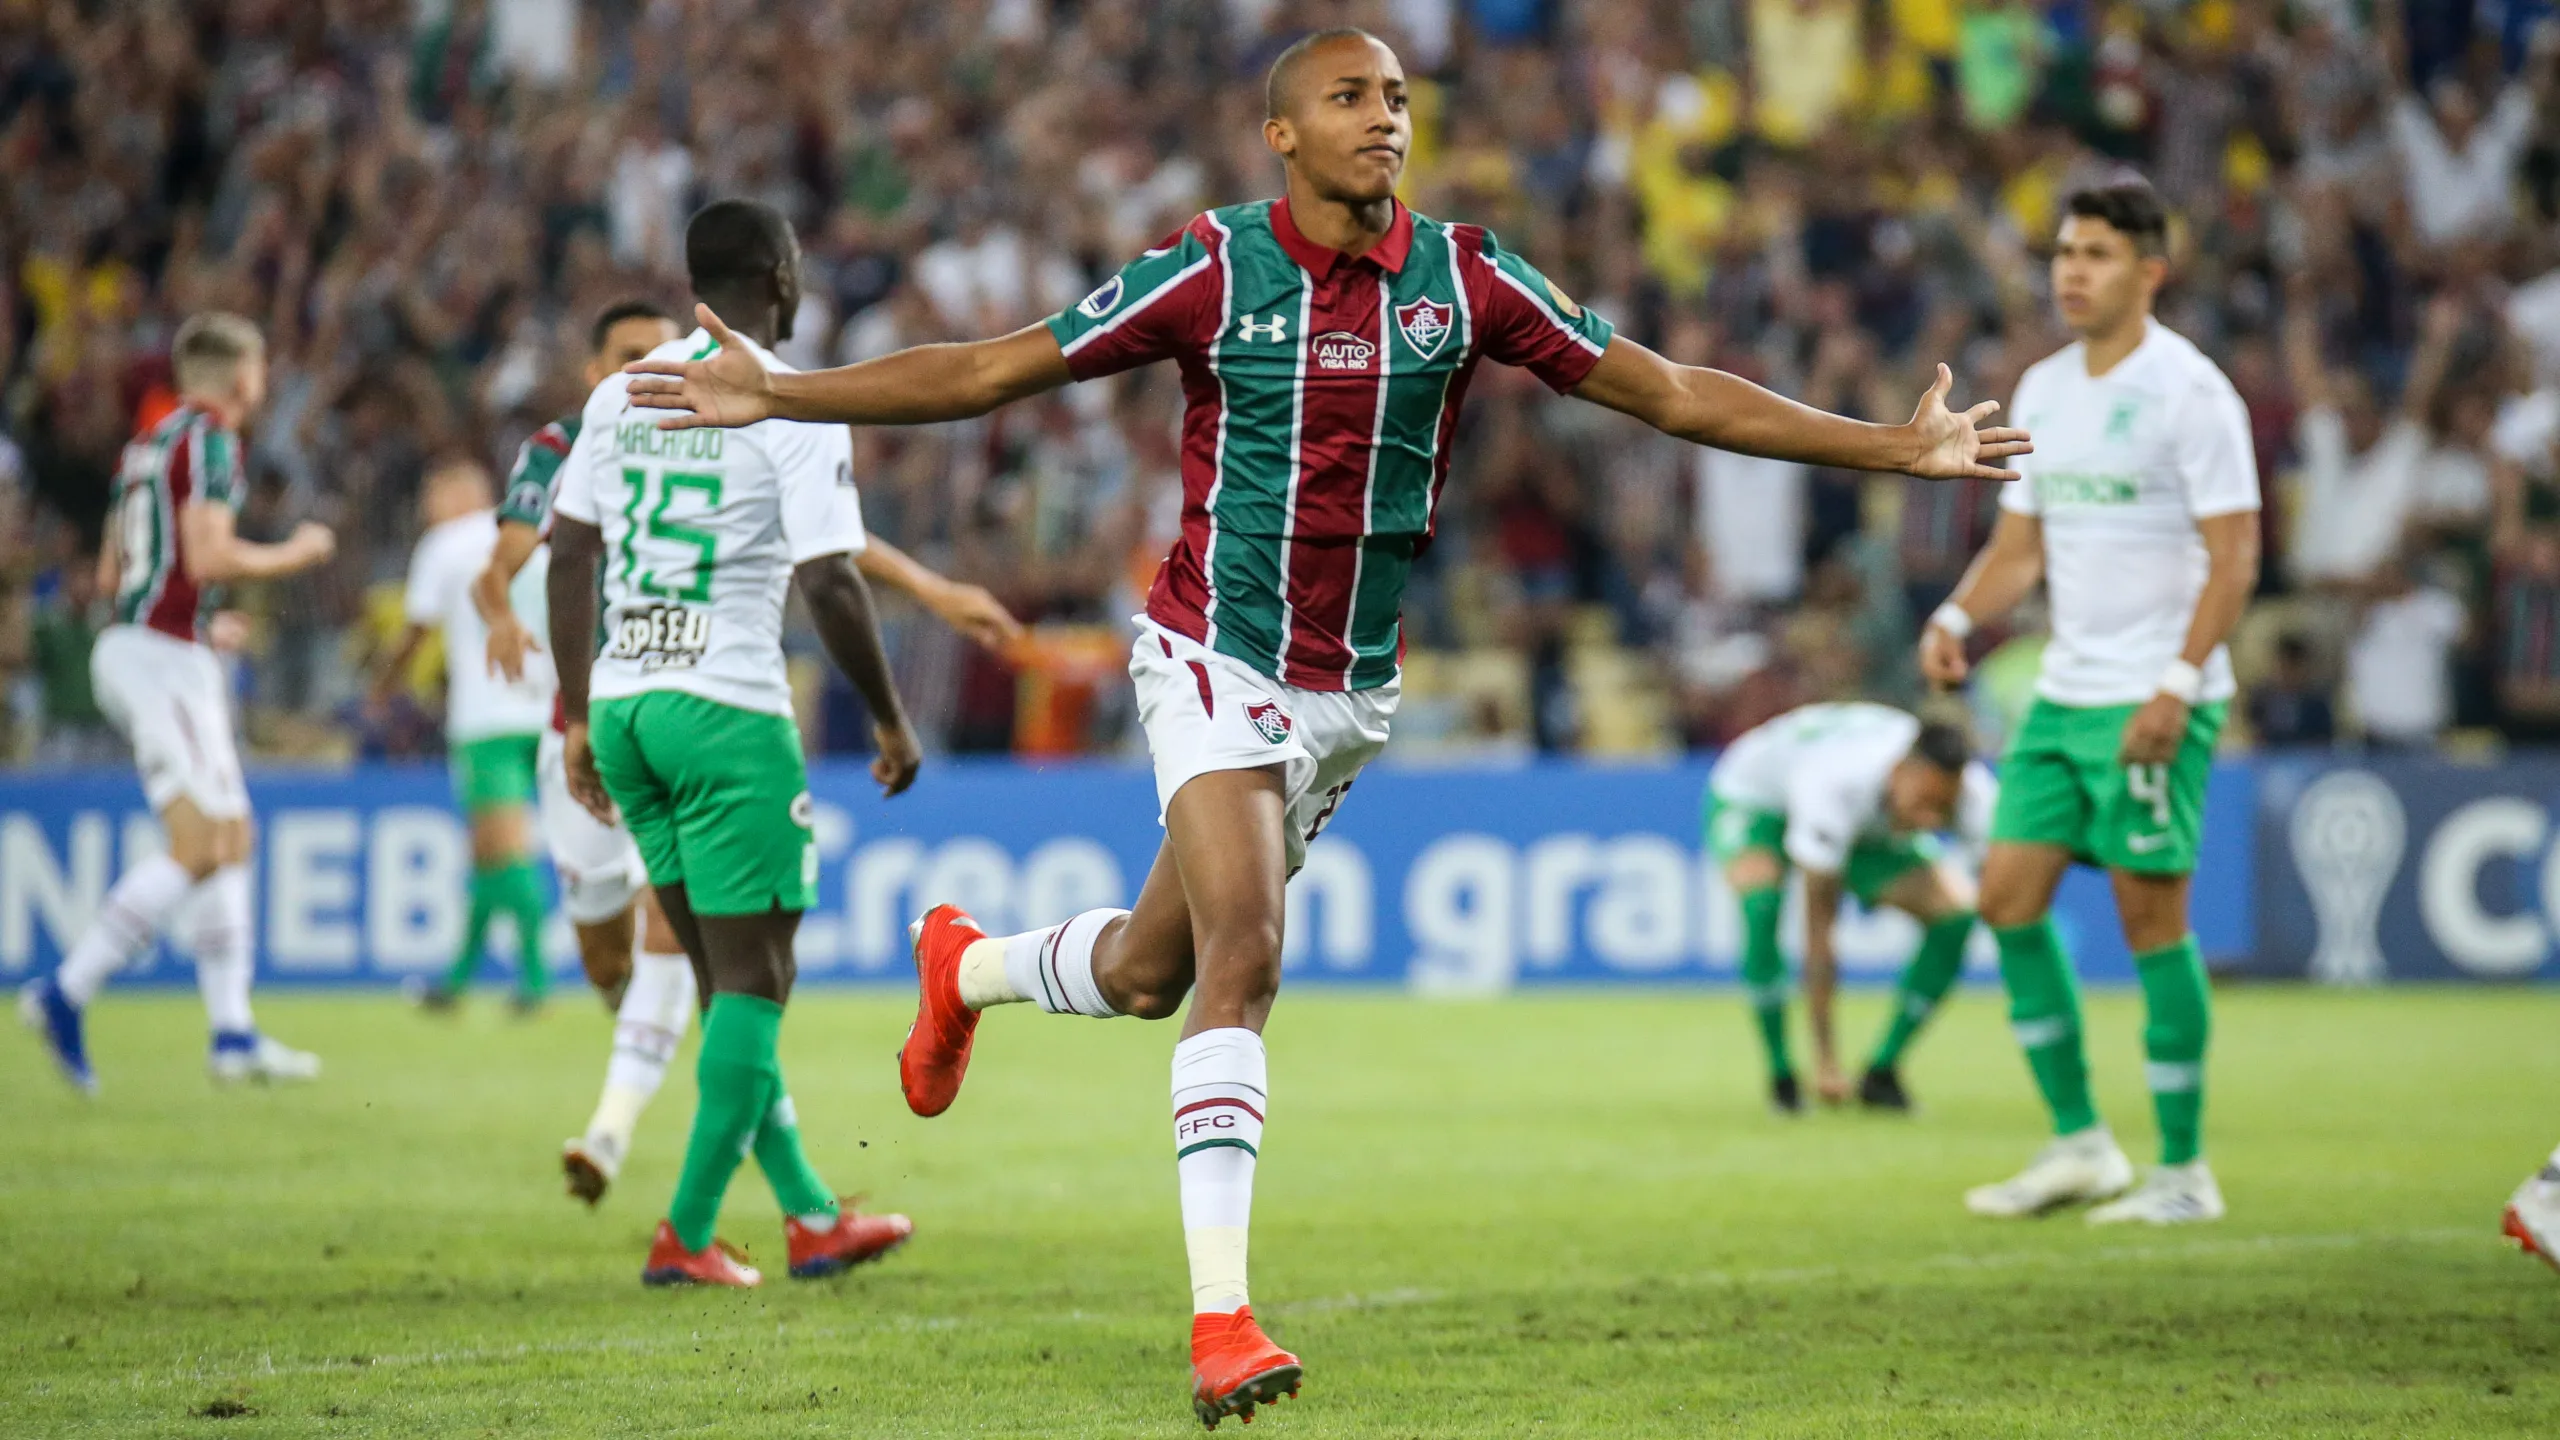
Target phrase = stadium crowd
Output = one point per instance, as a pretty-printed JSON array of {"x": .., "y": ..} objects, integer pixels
[{"x": 423, "y": 204}]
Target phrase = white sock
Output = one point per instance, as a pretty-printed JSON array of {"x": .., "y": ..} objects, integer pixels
[
  {"x": 222, "y": 935},
  {"x": 656, "y": 1010},
  {"x": 132, "y": 914},
  {"x": 1220, "y": 1082},
  {"x": 1053, "y": 967}
]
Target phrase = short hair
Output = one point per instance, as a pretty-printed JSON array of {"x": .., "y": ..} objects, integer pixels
[
  {"x": 1943, "y": 745},
  {"x": 1275, "y": 81},
  {"x": 729, "y": 241},
  {"x": 209, "y": 348},
  {"x": 2132, "y": 207},
  {"x": 614, "y": 314}
]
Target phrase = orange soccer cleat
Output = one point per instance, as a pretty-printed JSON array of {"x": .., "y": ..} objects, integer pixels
[
  {"x": 718, "y": 1263},
  {"x": 936, "y": 1056},
  {"x": 854, "y": 1238},
  {"x": 1234, "y": 1367}
]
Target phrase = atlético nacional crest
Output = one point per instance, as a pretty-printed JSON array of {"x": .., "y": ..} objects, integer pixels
[
  {"x": 1269, "y": 719},
  {"x": 1425, "y": 324}
]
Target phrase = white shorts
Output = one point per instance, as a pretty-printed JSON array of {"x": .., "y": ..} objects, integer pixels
[
  {"x": 599, "y": 864},
  {"x": 167, "y": 696},
  {"x": 1204, "y": 711}
]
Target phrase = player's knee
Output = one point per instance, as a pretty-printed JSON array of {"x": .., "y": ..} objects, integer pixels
[
  {"x": 2006, "y": 906},
  {"x": 1154, "y": 1004}
]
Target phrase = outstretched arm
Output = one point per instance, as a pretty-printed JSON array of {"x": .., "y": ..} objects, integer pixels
[
  {"x": 970, "y": 609},
  {"x": 509, "y": 641},
  {"x": 1711, "y": 407},
  {"x": 917, "y": 386}
]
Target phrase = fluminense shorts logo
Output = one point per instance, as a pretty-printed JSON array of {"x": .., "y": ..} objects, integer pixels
[
  {"x": 1269, "y": 719},
  {"x": 1099, "y": 303},
  {"x": 1342, "y": 350},
  {"x": 1425, "y": 324}
]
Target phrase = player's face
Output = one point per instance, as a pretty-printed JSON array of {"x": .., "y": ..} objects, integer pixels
[
  {"x": 249, "y": 386},
  {"x": 2100, "y": 278},
  {"x": 1921, "y": 797},
  {"x": 1346, "y": 130},
  {"x": 626, "y": 341}
]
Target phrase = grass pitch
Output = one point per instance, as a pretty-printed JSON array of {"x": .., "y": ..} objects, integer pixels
[{"x": 1554, "y": 1216}]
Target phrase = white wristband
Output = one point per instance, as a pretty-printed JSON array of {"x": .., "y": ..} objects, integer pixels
[
  {"x": 2182, "y": 680},
  {"x": 1951, "y": 617}
]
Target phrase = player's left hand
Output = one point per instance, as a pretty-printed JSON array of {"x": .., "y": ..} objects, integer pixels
[
  {"x": 228, "y": 631},
  {"x": 2152, "y": 736},
  {"x": 899, "y": 758},
  {"x": 1955, "y": 447},
  {"x": 578, "y": 759},
  {"x": 977, "y": 613},
  {"x": 1830, "y": 1085}
]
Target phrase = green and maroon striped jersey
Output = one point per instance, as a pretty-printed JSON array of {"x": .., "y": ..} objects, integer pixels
[
  {"x": 190, "y": 457},
  {"x": 1320, "y": 393},
  {"x": 537, "y": 473}
]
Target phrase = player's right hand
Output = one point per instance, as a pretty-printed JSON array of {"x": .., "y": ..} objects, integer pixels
[
  {"x": 899, "y": 758},
  {"x": 578, "y": 764},
  {"x": 730, "y": 389},
  {"x": 316, "y": 542},
  {"x": 509, "y": 643},
  {"x": 1942, "y": 661}
]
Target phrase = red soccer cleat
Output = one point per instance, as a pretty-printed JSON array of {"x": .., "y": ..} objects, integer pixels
[
  {"x": 718, "y": 1263},
  {"x": 1234, "y": 1367},
  {"x": 936, "y": 1056},
  {"x": 854, "y": 1238}
]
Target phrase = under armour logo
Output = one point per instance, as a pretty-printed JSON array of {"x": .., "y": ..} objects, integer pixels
[{"x": 1254, "y": 327}]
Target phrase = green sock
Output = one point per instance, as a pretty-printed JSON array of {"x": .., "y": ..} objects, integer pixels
[
  {"x": 475, "y": 933},
  {"x": 519, "y": 893},
  {"x": 2179, "y": 1019},
  {"x": 738, "y": 1079},
  {"x": 1925, "y": 982},
  {"x": 2044, "y": 1012},
  {"x": 1764, "y": 974},
  {"x": 786, "y": 1167}
]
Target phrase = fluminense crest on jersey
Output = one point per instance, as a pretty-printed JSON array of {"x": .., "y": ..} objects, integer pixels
[
  {"x": 1342, "y": 350},
  {"x": 1425, "y": 324}
]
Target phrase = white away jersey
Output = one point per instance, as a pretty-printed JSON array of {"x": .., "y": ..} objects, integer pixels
[
  {"x": 1824, "y": 767},
  {"x": 478, "y": 702},
  {"x": 701, "y": 531},
  {"x": 2125, "y": 465}
]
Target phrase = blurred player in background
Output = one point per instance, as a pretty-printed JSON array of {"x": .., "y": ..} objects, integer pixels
[
  {"x": 2140, "y": 513},
  {"x": 1325, "y": 343},
  {"x": 170, "y": 541},
  {"x": 1853, "y": 796},
  {"x": 493, "y": 729},
  {"x": 690, "y": 733},
  {"x": 602, "y": 879},
  {"x": 2533, "y": 1213}
]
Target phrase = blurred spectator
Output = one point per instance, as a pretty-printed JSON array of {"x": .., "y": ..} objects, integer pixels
[
  {"x": 2400, "y": 664},
  {"x": 2290, "y": 706}
]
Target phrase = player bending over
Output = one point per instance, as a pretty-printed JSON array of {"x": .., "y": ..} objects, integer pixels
[
  {"x": 493, "y": 728},
  {"x": 602, "y": 879},
  {"x": 170, "y": 542},
  {"x": 1854, "y": 797},
  {"x": 2140, "y": 513},
  {"x": 1325, "y": 341},
  {"x": 690, "y": 734}
]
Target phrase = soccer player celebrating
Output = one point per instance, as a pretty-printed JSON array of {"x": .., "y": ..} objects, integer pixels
[
  {"x": 601, "y": 874},
  {"x": 1854, "y": 797},
  {"x": 2140, "y": 513},
  {"x": 493, "y": 729},
  {"x": 170, "y": 542},
  {"x": 691, "y": 735},
  {"x": 1325, "y": 341}
]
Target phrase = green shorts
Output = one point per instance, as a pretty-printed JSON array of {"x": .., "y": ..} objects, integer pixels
[
  {"x": 494, "y": 772},
  {"x": 1735, "y": 830},
  {"x": 716, "y": 796},
  {"x": 2061, "y": 784}
]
